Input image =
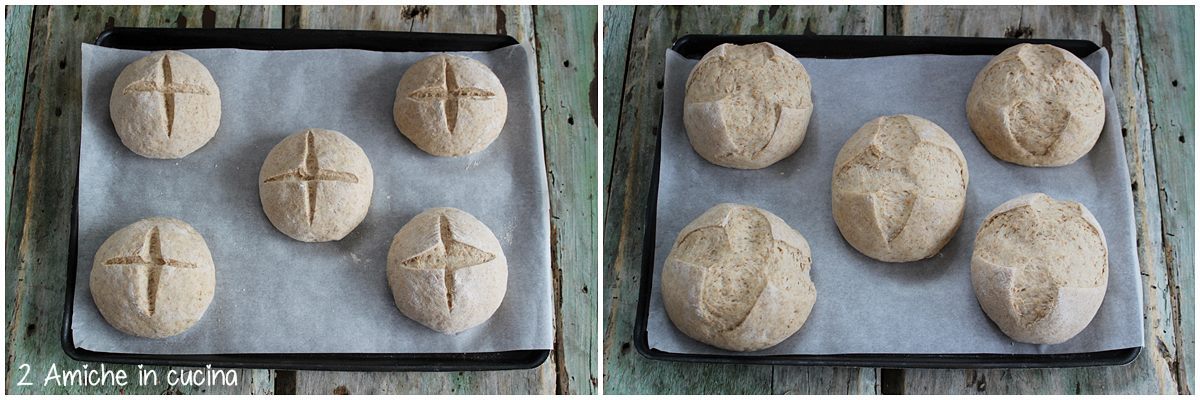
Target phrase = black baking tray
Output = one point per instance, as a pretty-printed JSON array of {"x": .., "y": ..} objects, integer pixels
[
  {"x": 817, "y": 46},
  {"x": 293, "y": 39}
]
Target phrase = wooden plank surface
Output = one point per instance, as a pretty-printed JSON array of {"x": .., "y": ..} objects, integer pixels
[
  {"x": 1115, "y": 28},
  {"x": 565, "y": 64},
  {"x": 618, "y": 22},
  {"x": 44, "y": 182},
  {"x": 566, "y": 40},
  {"x": 17, "y": 21},
  {"x": 653, "y": 30},
  {"x": 1168, "y": 43}
]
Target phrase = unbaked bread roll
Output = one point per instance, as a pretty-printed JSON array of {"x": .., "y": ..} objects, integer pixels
[
  {"x": 1036, "y": 105},
  {"x": 165, "y": 105},
  {"x": 447, "y": 270},
  {"x": 450, "y": 105},
  {"x": 153, "y": 278},
  {"x": 1040, "y": 268},
  {"x": 316, "y": 185},
  {"x": 738, "y": 278},
  {"x": 747, "y": 106},
  {"x": 899, "y": 188}
]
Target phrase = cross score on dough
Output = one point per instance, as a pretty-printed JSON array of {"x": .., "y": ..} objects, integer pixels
[
  {"x": 310, "y": 175},
  {"x": 454, "y": 256},
  {"x": 168, "y": 88},
  {"x": 150, "y": 256},
  {"x": 727, "y": 265},
  {"x": 450, "y": 94}
]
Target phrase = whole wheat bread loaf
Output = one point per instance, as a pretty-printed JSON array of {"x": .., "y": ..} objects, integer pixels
[
  {"x": 738, "y": 278},
  {"x": 1040, "y": 268},
  {"x": 899, "y": 188},
  {"x": 1036, "y": 105},
  {"x": 747, "y": 106}
]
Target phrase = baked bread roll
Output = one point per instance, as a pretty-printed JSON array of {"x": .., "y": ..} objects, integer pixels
[
  {"x": 747, "y": 106},
  {"x": 153, "y": 278},
  {"x": 165, "y": 105},
  {"x": 737, "y": 278},
  {"x": 450, "y": 105},
  {"x": 1040, "y": 268},
  {"x": 899, "y": 188},
  {"x": 1036, "y": 105},
  {"x": 316, "y": 185},
  {"x": 447, "y": 270}
]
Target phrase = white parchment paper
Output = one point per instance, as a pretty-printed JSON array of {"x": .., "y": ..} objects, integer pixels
[
  {"x": 278, "y": 295},
  {"x": 867, "y": 306}
]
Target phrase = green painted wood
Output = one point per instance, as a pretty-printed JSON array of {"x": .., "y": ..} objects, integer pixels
[
  {"x": 654, "y": 29},
  {"x": 618, "y": 24},
  {"x": 1115, "y": 28},
  {"x": 264, "y": 16},
  {"x": 566, "y": 40},
  {"x": 1168, "y": 43},
  {"x": 508, "y": 20},
  {"x": 17, "y": 21},
  {"x": 516, "y": 21},
  {"x": 43, "y": 183}
]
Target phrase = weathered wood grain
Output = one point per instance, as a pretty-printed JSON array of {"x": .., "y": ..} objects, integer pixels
[
  {"x": 1167, "y": 45},
  {"x": 17, "y": 21},
  {"x": 654, "y": 29},
  {"x": 822, "y": 381},
  {"x": 979, "y": 21},
  {"x": 618, "y": 24},
  {"x": 1116, "y": 29},
  {"x": 43, "y": 182},
  {"x": 516, "y": 21},
  {"x": 265, "y": 17},
  {"x": 567, "y": 64}
]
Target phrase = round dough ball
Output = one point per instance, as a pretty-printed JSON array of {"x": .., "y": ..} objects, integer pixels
[
  {"x": 315, "y": 185},
  {"x": 165, "y": 105},
  {"x": 738, "y": 278},
  {"x": 1036, "y": 105},
  {"x": 747, "y": 106},
  {"x": 1040, "y": 268},
  {"x": 450, "y": 105},
  {"x": 899, "y": 188},
  {"x": 153, "y": 278},
  {"x": 447, "y": 270}
]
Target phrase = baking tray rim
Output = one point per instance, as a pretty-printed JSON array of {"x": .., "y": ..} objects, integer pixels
[
  {"x": 695, "y": 45},
  {"x": 1114, "y": 357},
  {"x": 432, "y": 362}
]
